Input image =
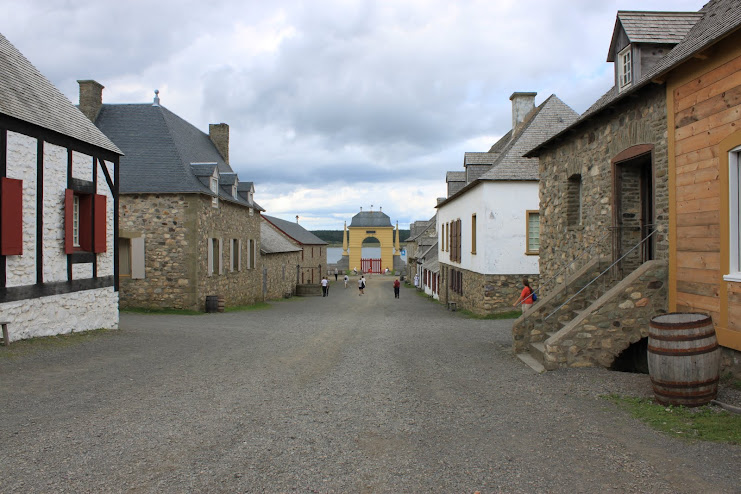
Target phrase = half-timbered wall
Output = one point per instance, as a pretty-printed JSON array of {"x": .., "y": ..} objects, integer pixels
[
  {"x": 45, "y": 290},
  {"x": 704, "y": 99}
]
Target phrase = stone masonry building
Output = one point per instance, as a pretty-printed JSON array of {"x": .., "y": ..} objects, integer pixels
[{"x": 188, "y": 227}]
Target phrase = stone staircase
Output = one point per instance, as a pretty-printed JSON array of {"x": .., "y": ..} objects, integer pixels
[{"x": 594, "y": 326}]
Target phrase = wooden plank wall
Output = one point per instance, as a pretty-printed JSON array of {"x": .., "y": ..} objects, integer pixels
[{"x": 705, "y": 104}]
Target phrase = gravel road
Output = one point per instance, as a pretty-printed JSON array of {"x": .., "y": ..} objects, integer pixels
[{"x": 344, "y": 394}]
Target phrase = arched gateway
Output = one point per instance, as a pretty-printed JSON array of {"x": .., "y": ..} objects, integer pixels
[{"x": 371, "y": 224}]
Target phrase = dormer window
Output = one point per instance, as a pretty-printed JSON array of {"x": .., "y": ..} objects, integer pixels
[
  {"x": 215, "y": 190},
  {"x": 625, "y": 68},
  {"x": 234, "y": 191}
]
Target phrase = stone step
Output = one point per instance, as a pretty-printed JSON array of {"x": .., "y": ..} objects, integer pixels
[
  {"x": 537, "y": 351},
  {"x": 531, "y": 362}
]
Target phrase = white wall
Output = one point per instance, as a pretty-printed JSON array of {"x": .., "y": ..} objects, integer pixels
[{"x": 501, "y": 227}]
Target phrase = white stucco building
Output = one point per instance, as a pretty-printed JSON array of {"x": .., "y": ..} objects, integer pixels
[
  {"x": 489, "y": 228},
  {"x": 58, "y": 209}
]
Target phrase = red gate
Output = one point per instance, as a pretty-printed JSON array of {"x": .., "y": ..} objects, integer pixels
[{"x": 370, "y": 265}]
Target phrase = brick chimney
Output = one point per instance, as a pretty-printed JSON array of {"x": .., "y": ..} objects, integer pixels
[
  {"x": 522, "y": 104},
  {"x": 91, "y": 98},
  {"x": 219, "y": 134}
]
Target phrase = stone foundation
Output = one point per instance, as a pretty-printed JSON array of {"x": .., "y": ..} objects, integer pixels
[
  {"x": 61, "y": 314},
  {"x": 484, "y": 294}
]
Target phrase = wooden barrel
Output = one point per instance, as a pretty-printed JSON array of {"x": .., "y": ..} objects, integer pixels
[
  {"x": 683, "y": 359},
  {"x": 212, "y": 303},
  {"x": 220, "y": 303}
]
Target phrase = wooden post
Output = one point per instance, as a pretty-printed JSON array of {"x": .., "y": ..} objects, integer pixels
[{"x": 6, "y": 338}]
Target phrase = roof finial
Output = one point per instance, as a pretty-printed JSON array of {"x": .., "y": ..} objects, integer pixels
[
  {"x": 156, "y": 98},
  {"x": 296, "y": 219},
  {"x": 371, "y": 208}
]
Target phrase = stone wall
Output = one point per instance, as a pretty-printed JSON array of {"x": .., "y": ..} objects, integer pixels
[
  {"x": 280, "y": 269},
  {"x": 166, "y": 221},
  {"x": 587, "y": 153},
  {"x": 313, "y": 263},
  {"x": 617, "y": 319},
  {"x": 228, "y": 221},
  {"x": 483, "y": 293},
  {"x": 176, "y": 229}
]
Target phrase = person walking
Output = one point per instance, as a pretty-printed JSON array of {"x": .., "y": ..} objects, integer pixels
[
  {"x": 397, "y": 284},
  {"x": 416, "y": 280},
  {"x": 526, "y": 297},
  {"x": 325, "y": 286},
  {"x": 336, "y": 273},
  {"x": 347, "y": 278},
  {"x": 361, "y": 285}
]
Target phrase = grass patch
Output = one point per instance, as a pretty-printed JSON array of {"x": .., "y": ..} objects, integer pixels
[
  {"x": 705, "y": 423},
  {"x": 512, "y": 314},
  {"x": 41, "y": 343},
  {"x": 244, "y": 308},
  {"x": 175, "y": 312}
]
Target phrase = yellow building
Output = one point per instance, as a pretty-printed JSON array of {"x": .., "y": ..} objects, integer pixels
[{"x": 371, "y": 224}]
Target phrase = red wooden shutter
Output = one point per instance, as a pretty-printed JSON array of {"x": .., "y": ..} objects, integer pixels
[
  {"x": 99, "y": 243},
  {"x": 11, "y": 209},
  {"x": 69, "y": 199}
]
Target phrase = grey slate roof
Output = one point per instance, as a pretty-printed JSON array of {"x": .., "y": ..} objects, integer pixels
[
  {"x": 370, "y": 219},
  {"x": 653, "y": 27},
  {"x": 272, "y": 241},
  {"x": 455, "y": 176},
  {"x": 27, "y": 95},
  {"x": 719, "y": 19},
  {"x": 432, "y": 222},
  {"x": 164, "y": 153},
  {"x": 295, "y": 231}
]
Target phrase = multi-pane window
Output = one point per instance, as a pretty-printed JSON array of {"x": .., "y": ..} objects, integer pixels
[
  {"x": 625, "y": 68},
  {"x": 76, "y": 221},
  {"x": 734, "y": 216},
  {"x": 124, "y": 256},
  {"x": 235, "y": 255},
  {"x": 533, "y": 232},
  {"x": 215, "y": 190},
  {"x": 574, "y": 200},
  {"x": 214, "y": 256}
]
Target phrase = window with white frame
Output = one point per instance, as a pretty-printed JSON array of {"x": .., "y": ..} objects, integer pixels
[
  {"x": 76, "y": 221},
  {"x": 215, "y": 190},
  {"x": 234, "y": 191},
  {"x": 734, "y": 215},
  {"x": 625, "y": 68}
]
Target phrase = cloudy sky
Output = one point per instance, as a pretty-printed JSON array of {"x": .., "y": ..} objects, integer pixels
[{"x": 333, "y": 105}]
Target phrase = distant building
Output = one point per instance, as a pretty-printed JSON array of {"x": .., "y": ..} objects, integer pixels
[
  {"x": 313, "y": 259},
  {"x": 281, "y": 260}
]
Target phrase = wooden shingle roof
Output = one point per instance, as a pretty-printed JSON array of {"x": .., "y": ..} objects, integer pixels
[
  {"x": 719, "y": 19},
  {"x": 653, "y": 27},
  {"x": 27, "y": 95}
]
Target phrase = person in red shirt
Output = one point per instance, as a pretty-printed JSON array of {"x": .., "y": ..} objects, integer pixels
[
  {"x": 396, "y": 288},
  {"x": 526, "y": 297}
]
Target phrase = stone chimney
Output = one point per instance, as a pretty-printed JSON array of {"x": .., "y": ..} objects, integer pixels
[
  {"x": 522, "y": 104},
  {"x": 219, "y": 134},
  {"x": 91, "y": 98}
]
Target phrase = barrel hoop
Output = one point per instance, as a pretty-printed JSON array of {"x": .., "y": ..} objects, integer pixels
[
  {"x": 688, "y": 337},
  {"x": 677, "y": 384},
  {"x": 681, "y": 325},
  {"x": 694, "y": 396},
  {"x": 683, "y": 352}
]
